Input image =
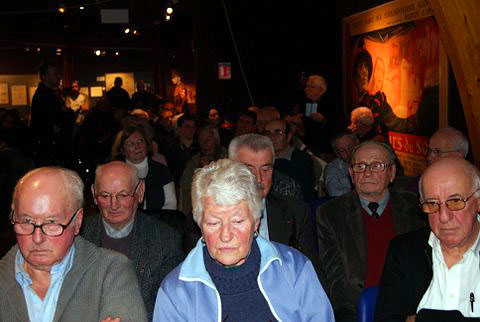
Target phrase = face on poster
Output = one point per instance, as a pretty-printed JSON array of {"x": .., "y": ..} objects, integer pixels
[{"x": 398, "y": 66}]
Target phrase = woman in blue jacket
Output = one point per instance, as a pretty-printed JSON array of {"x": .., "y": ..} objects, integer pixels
[{"x": 233, "y": 274}]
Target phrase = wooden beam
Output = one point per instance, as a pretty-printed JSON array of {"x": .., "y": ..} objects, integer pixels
[{"x": 460, "y": 34}]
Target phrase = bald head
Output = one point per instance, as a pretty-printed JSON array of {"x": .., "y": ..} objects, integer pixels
[{"x": 447, "y": 142}]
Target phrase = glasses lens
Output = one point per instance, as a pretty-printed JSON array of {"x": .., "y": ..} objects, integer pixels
[
  {"x": 359, "y": 167},
  {"x": 455, "y": 204},
  {"x": 23, "y": 228},
  {"x": 377, "y": 166},
  {"x": 430, "y": 207},
  {"x": 52, "y": 229}
]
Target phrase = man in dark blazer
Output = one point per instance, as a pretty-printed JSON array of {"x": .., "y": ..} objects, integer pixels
[
  {"x": 354, "y": 229},
  {"x": 153, "y": 246},
  {"x": 415, "y": 267},
  {"x": 284, "y": 219}
]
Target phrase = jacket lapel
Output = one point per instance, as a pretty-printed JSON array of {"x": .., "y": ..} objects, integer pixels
[{"x": 354, "y": 222}]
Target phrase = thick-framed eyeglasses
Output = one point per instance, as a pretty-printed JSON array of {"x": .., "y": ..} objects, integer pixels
[
  {"x": 453, "y": 204},
  {"x": 122, "y": 197},
  {"x": 374, "y": 167},
  {"x": 25, "y": 228},
  {"x": 276, "y": 132},
  {"x": 438, "y": 151}
]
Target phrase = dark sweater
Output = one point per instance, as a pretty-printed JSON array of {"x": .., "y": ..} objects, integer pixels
[{"x": 239, "y": 292}]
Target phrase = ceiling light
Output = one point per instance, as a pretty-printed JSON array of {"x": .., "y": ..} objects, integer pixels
[
  {"x": 117, "y": 53},
  {"x": 81, "y": 7},
  {"x": 167, "y": 17},
  {"x": 61, "y": 8},
  {"x": 59, "y": 50},
  {"x": 97, "y": 52},
  {"x": 38, "y": 49},
  {"x": 127, "y": 30},
  {"x": 169, "y": 10},
  {"x": 135, "y": 32}
]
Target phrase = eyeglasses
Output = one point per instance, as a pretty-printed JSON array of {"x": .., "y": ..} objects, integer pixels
[
  {"x": 374, "y": 167},
  {"x": 107, "y": 198},
  {"x": 438, "y": 151},
  {"x": 347, "y": 150},
  {"x": 276, "y": 132},
  {"x": 25, "y": 228},
  {"x": 454, "y": 204},
  {"x": 132, "y": 144}
]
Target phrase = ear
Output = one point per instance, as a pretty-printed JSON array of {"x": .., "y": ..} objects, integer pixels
[
  {"x": 92, "y": 188},
  {"x": 78, "y": 221},
  {"x": 141, "y": 191},
  {"x": 257, "y": 224},
  {"x": 393, "y": 171},
  {"x": 289, "y": 136},
  {"x": 351, "y": 173}
]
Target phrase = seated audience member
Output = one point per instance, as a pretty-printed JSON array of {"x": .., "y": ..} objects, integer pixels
[
  {"x": 289, "y": 160},
  {"x": 183, "y": 148},
  {"x": 153, "y": 246},
  {"x": 210, "y": 150},
  {"x": 337, "y": 178},
  {"x": 246, "y": 123},
  {"x": 354, "y": 229},
  {"x": 284, "y": 219},
  {"x": 54, "y": 275},
  {"x": 142, "y": 98},
  {"x": 265, "y": 115},
  {"x": 447, "y": 142},
  {"x": 159, "y": 185},
  {"x": 233, "y": 274},
  {"x": 437, "y": 268},
  {"x": 364, "y": 127}
]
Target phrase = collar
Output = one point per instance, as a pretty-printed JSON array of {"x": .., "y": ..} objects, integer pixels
[
  {"x": 59, "y": 269},
  {"x": 382, "y": 203},
  {"x": 434, "y": 242},
  {"x": 118, "y": 233},
  {"x": 193, "y": 268},
  {"x": 287, "y": 154},
  {"x": 142, "y": 167}
]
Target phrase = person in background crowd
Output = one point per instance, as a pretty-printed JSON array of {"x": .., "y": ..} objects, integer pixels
[
  {"x": 142, "y": 98},
  {"x": 447, "y": 142},
  {"x": 76, "y": 101},
  {"x": 233, "y": 274},
  {"x": 54, "y": 275},
  {"x": 436, "y": 269},
  {"x": 159, "y": 186},
  {"x": 118, "y": 97},
  {"x": 246, "y": 123},
  {"x": 337, "y": 178},
  {"x": 289, "y": 160},
  {"x": 363, "y": 126},
  {"x": 354, "y": 230},
  {"x": 265, "y": 115},
  {"x": 153, "y": 246}
]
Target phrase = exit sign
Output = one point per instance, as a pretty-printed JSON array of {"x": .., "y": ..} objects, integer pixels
[{"x": 224, "y": 71}]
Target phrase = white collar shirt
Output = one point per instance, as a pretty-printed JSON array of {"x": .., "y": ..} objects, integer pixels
[{"x": 452, "y": 289}]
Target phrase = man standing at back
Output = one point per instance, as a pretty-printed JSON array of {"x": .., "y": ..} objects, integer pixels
[
  {"x": 152, "y": 246},
  {"x": 118, "y": 97},
  {"x": 54, "y": 275},
  {"x": 354, "y": 230}
]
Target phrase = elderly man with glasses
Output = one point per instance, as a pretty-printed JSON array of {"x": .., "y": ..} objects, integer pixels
[
  {"x": 354, "y": 230},
  {"x": 436, "y": 269},
  {"x": 53, "y": 275},
  {"x": 153, "y": 246}
]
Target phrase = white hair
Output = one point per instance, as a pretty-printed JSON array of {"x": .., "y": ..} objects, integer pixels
[
  {"x": 251, "y": 141},
  {"x": 229, "y": 183}
]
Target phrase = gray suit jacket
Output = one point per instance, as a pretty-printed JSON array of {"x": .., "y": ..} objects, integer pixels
[
  {"x": 100, "y": 283},
  {"x": 155, "y": 250},
  {"x": 342, "y": 247}
]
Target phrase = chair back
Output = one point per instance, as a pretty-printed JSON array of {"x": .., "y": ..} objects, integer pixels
[{"x": 366, "y": 304}]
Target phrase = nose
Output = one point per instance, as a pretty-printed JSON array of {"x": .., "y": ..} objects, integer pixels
[
  {"x": 444, "y": 214},
  {"x": 226, "y": 233},
  {"x": 368, "y": 171},
  {"x": 114, "y": 202},
  {"x": 38, "y": 237}
]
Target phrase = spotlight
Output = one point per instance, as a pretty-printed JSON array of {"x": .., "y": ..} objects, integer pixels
[
  {"x": 61, "y": 8},
  {"x": 59, "y": 50},
  {"x": 167, "y": 17},
  {"x": 103, "y": 52},
  {"x": 38, "y": 49},
  {"x": 127, "y": 30},
  {"x": 117, "y": 53},
  {"x": 59, "y": 53},
  {"x": 135, "y": 32},
  {"x": 27, "y": 49},
  {"x": 81, "y": 7},
  {"x": 97, "y": 52},
  {"x": 169, "y": 10}
]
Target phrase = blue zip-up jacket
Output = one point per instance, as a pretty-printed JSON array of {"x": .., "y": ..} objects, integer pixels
[{"x": 286, "y": 279}]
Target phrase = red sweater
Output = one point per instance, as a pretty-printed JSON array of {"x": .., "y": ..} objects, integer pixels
[{"x": 378, "y": 233}]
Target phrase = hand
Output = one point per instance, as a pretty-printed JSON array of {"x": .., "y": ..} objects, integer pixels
[
  {"x": 411, "y": 318},
  {"x": 317, "y": 117},
  {"x": 110, "y": 319}
]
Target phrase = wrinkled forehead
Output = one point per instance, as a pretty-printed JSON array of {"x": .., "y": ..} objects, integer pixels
[
  {"x": 447, "y": 181},
  {"x": 370, "y": 152}
]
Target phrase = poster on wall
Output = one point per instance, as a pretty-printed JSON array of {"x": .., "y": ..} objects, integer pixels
[
  {"x": 4, "y": 93},
  {"x": 19, "y": 95},
  {"x": 391, "y": 65}
]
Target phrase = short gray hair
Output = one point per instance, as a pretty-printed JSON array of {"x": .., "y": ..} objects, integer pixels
[
  {"x": 73, "y": 183},
  {"x": 352, "y": 136},
  {"x": 391, "y": 157},
  {"x": 472, "y": 172},
  {"x": 253, "y": 142},
  {"x": 229, "y": 183},
  {"x": 458, "y": 141}
]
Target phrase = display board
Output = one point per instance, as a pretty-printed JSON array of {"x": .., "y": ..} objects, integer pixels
[{"x": 391, "y": 65}]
